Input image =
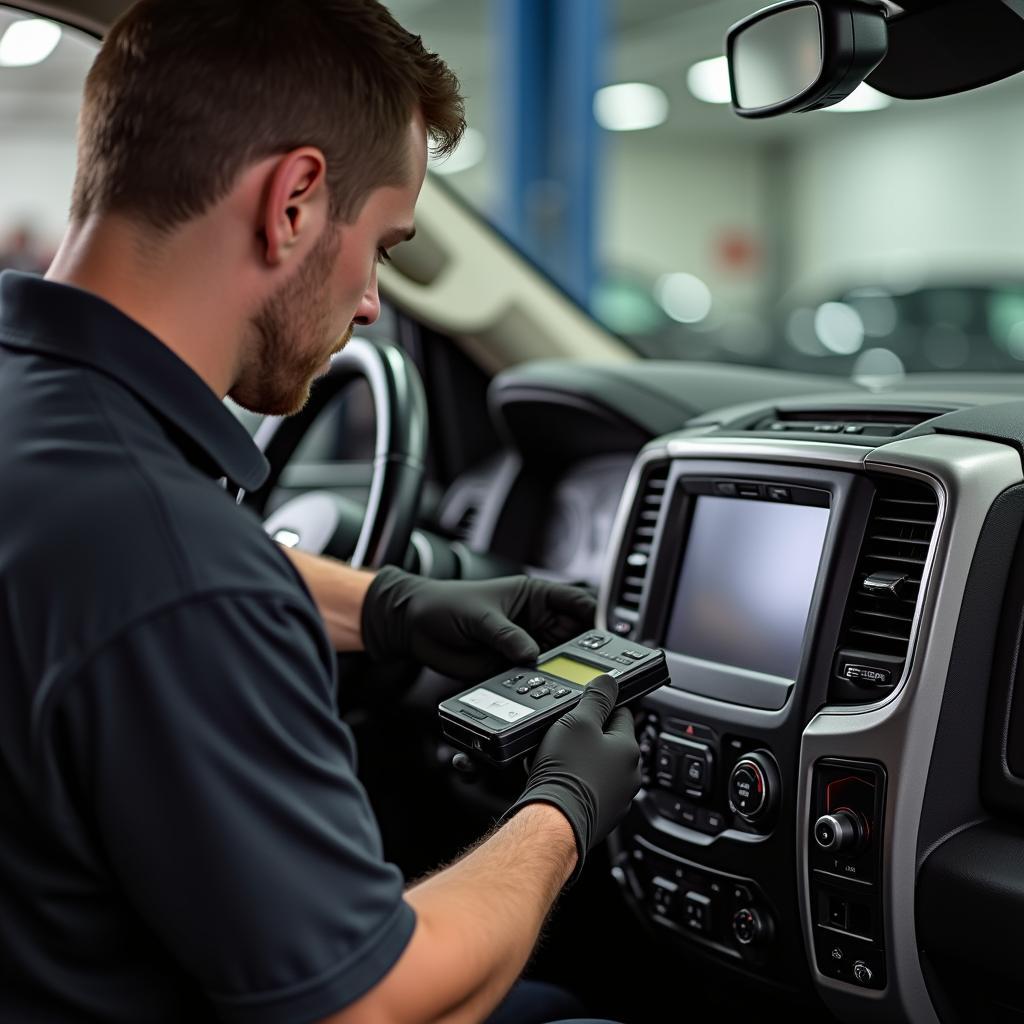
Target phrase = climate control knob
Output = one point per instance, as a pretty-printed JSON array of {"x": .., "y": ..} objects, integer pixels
[
  {"x": 839, "y": 832},
  {"x": 747, "y": 926},
  {"x": 754, "y": 786}
]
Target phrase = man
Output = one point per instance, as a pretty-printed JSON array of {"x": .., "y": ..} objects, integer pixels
[{"x": 183, "y": 834}]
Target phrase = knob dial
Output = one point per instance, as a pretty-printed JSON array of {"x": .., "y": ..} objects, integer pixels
[
  {"x": 747, "y": 926},
  {"x": 754, "y": 786},
  {"x": 839, "y": 832},
  {"x": 862, "y": 972}
]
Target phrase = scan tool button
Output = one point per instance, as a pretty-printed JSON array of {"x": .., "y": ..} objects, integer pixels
[
  {"x": 542, "y": 692},
  {"x": 532, "y": 684},
  {"x": 563, "y": 692},
  {"x": 522, "y": 689}
]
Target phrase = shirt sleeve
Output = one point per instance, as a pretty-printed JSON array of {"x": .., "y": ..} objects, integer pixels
[{"x": 223, "y": 788}]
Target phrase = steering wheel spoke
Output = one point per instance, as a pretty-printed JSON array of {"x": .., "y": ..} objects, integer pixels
[{"x": 323, "y": 522}]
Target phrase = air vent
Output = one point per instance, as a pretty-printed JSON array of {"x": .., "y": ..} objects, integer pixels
[
  {"x": 872, "y": 422},
  {"x": 886, "y": 589},
  {"x": 635, "y": 569}
]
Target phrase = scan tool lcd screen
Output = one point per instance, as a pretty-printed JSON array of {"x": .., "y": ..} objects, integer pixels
[
  {"x": 571, "y": 669},
  {"x": 746, "y": 583}
]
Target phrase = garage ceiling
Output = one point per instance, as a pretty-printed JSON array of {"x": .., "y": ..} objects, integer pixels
[{"x": 653, "y": 40}]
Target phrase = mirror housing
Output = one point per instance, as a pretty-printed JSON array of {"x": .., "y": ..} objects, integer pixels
[{"x": 773, "y": 70}]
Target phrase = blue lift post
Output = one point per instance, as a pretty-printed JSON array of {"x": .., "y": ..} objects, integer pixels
[{"x": 550, "y": 64}]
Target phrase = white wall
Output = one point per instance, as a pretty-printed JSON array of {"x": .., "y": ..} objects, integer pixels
[
  {"x": 36, "y": 177},
  {"x": 937, "y": 189},
  {"x": 665, "y": 204}
]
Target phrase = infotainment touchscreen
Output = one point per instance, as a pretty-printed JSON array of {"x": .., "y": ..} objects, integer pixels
[{"x": 745, "y": 587}]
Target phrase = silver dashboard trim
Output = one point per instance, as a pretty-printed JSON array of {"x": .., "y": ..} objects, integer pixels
[{"x": 899, "y": 731}]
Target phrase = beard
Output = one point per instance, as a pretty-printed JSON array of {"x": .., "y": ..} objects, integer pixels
[{"x": 283, "y": 359}]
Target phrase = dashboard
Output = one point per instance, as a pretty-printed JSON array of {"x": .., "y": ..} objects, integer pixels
[{"x": 833, "y": 789}]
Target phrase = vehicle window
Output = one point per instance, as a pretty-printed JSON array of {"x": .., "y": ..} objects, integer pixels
[
  {"x": 344, "y": 431},
  {"x": 881, "y": 238},
  {"x": 42, "y": 70}
]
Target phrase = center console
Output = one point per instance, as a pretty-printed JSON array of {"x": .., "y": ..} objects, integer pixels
[{"x": 803, "y": 591}]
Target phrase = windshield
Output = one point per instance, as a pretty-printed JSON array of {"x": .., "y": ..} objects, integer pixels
[{"x": 881, "y": 238}]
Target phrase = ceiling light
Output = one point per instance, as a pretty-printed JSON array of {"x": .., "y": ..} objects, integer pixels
[
  {"x": 468, "y": 153},
  {"x": 801, "y": 334},
  {"x": 29, "y": 41},
  {"x": 877, "y": 367},
  {"x": 630, "y": 107},
  {"x": 685, "y": 298},
  {"x": 861, "y": 99},
  {"x": 839, "y": 328},
  {"x": 708, "y": 80}
]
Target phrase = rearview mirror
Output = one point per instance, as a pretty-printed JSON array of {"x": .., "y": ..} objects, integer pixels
[{"x": 803, "y": 54}]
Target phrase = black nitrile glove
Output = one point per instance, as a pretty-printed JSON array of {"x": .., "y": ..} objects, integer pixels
[
  {"x": 588, "y": 766},
  {"x": 470, "y": 629}
]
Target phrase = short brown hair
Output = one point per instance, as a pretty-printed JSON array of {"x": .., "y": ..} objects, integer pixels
[{"x": 185, "y": 94}]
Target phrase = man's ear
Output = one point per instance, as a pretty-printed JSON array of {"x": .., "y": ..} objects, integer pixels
[{"x": 295, "y": 205}]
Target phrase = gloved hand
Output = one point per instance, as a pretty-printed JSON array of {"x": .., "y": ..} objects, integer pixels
[
  {"x": 588, "y": 766},
  {"x": 470, "y": 629}
]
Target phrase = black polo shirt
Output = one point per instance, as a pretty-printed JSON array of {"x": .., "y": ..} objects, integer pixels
[{"x": 182, "y": 833}]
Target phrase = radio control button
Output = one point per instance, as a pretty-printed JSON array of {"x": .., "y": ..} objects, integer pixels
[
  {"x": 563, "y": 692},
  {"x": 694, "y": 770},
  {"x": 754, "y": 786},
  {"x": 536, "y": 681},
  {"x": 522, "y": 689},
  {"x": 542, "y": 692}
]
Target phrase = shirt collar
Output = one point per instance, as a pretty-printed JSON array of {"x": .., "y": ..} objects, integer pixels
[{"x": 57, "y": 320}]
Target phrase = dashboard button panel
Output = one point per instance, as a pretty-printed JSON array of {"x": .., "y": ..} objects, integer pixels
[{"x": 715, "y": 909}]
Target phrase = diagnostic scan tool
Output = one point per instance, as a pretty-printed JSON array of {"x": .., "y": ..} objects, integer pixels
[{"x": 506, "y": 717}]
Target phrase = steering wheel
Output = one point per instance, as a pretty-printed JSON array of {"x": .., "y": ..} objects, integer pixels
[{"x": 322, "y": 522}]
